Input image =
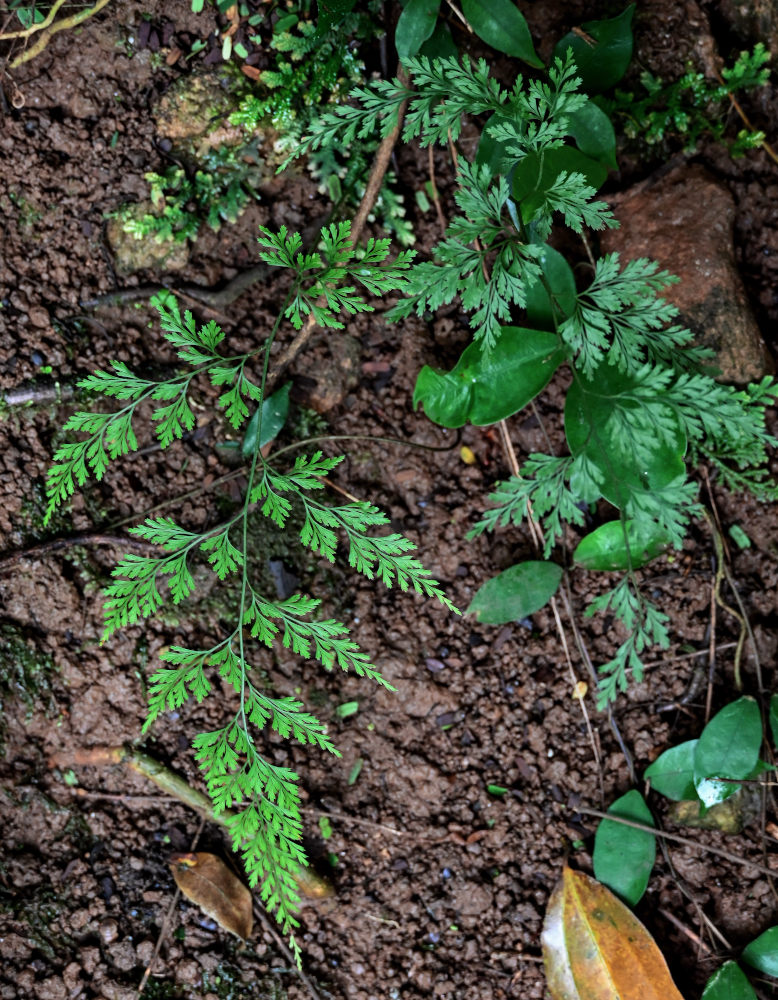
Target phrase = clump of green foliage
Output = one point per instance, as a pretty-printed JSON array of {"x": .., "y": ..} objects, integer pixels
[
  {"x": 692, "y": 106},
  {"x": 216, "y": 192},
  {"x": 704, "y": 773},
  {"x": 267, "y": 826},
  {"x": 643, "y": 408},
  {"x": 316, "y": 61}
]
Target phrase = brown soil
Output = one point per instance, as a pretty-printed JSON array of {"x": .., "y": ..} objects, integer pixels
[{"x": 440, "y": 886}]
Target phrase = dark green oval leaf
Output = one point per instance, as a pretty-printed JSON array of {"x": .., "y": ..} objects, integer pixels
[
  {"x": 595, "y": 426},
  {"x": 561, "y": 281},
  {"x": 537, "y": 172},
  {"x": 516, "y": 592},
  {"x": 774, "y": 719},
  {"x": 727, "y": 748},
  {"x": 415, "y": 25},
  {"x": 615, "y": 546},
  {"x": 672, "y": 773},
  {"x": 594, "y": 134},
  {"x": 274, "y": 410},
  {"x": 491, "y": 152},
  {"x": 485, "y": 388},
  {"x": 602, "y": 59},
  {"x": 499, "y": 24},
  {"x": 623, "y": 857},
  {"x": 728, "y": 983},
  {"x": 729, "y": 745},
  {"x": 762, "y": 953},
  {"x": 440, "y": 44}
]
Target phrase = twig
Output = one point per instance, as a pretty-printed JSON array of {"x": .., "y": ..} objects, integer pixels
[
  {"x": 262, "y": 917},
  {"x": 357, "y": 820},
  {"x": 67, "y": 22},
  {"x": 57, "y": 544},
  {"x": 435, "y": 195},
  {"x": 685, "y": 930},
  {"x": 585, "y": 811},
  {"x": 38, "y": 395},
  {"x": 170, "y": 782},
  {"x": 166, "y": 922},
  {"x": 380, "y": 166}
]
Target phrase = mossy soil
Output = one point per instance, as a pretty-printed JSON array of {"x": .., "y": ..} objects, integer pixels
[{"x": 440, "y": 885}]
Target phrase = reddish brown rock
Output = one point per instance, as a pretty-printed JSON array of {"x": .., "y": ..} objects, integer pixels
[{"x": 685, "y": 223}]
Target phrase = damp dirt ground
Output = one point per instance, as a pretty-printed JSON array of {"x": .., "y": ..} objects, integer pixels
[{"x": 438, "y": 885}]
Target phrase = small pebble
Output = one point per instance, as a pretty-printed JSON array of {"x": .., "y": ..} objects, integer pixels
[{"x": 109, "y": 931}]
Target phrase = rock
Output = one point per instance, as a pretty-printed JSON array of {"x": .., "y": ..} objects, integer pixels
[
  {"x": 325, "y": 386},
  {"x": 133, "y": 253},
  {"x": 684, "y": 222},
  {"x": 194, "y": 115}
]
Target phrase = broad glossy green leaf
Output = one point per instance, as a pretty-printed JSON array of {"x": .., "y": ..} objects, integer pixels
[
  {"x": 516, "y": 592},
  {"x": 615, "y": 546},
  {"x": 623, "y": 857},
  {"x": 440, "y": 44},
  {"x": 491, "y": 152},
  {"x": 774, "y": 719},
  {"x": 275, "y": 410},
  {"x": 484, "y": 388},
  {"x": 728, "y": 747},
  {"x": 672, "y": 773},
  {"x": 601, "y": 60},
  {"x": 499, "y": 24},
  {"x": 594, "y": 134},
  {"x": 762, "y": 953},
  {"x": 561, "y": 281},
  {"x": 415, "y": 25},
  {"x": 592, "y": 427},
  {"x": 728, "y": 983},
  {"x": 537, "y": 172}
]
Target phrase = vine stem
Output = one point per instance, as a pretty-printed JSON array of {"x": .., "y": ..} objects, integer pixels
[
  {"x": 6, "y": 36},
  {"x": 380, "y": 166},
  {"x": 67, "y": 22}
]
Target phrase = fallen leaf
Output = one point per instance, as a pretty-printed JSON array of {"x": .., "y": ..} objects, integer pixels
[
  {"x": 208, "y": 882},
  {"x": 595, "y": 948},
  {"x": 312, "y": 885}
]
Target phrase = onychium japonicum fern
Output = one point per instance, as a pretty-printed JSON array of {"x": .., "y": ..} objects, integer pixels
[
  {"x": 639, "y": 394},
  {"x": 644, "y": 408},
  {"x": 265, "y": 825}
]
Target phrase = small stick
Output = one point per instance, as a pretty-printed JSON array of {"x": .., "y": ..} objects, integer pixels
[
  {"x": 262, "y": 917},
  {"x": 57, "y": 544},
  {"x": 38, "y": 395},
  {"x": 685, "y": 930},
  {"x": 435, "y": 195},
  {"x": 676, "y": 837},
  {"x": 166, "y": 922},
  {"x": 380, "y": 166}
]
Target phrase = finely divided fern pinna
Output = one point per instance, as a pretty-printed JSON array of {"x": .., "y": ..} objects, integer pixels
[{"x": 263, "y": 798}]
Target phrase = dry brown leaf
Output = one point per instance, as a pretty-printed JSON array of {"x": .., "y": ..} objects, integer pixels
[
  {"x": 595, "y": 948},
  {"x": 207, "y": 881}
]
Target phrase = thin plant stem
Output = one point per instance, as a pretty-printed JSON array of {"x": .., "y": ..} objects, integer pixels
[{"x": 736, "y": 859}]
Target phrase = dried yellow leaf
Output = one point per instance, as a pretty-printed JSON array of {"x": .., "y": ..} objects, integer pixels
[{"x": 595, "y": 948}]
